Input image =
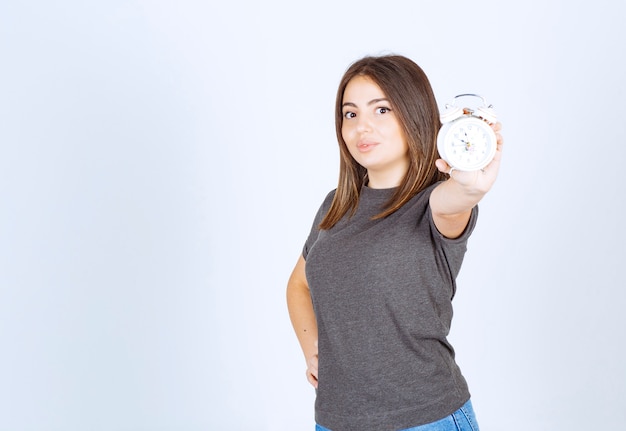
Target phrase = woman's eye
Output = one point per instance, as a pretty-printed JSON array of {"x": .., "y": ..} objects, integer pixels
[
  {"x": 382, "y": 110},
  {"x": 349, "y": 115}
]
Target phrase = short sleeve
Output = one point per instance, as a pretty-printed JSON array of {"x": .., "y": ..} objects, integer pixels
[
  {"x": 471, "y": 224},
  {"x": 454, "y": 249}
]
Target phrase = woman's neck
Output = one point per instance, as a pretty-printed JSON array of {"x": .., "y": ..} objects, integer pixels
[{"x": 384, "y": 179}]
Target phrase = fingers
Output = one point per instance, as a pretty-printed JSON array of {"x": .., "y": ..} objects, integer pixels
[
  {"x": 496, "y": 128},
  {"x": 442, "y": 166},
  {"x": 312, "y": 379},
  {"x": 312, "y": 370}
]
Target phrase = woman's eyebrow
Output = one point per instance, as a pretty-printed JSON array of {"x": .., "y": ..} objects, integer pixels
[{"x": 371, "y": 102}]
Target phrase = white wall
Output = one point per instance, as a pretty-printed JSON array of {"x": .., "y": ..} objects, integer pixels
[{"x": 161, "y": 162}]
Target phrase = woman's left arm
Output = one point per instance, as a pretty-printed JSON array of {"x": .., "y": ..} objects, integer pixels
[{"x": 452, "y": 201}]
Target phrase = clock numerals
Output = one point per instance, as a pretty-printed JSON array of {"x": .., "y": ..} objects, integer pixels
[{"x": 468, "y": 144}]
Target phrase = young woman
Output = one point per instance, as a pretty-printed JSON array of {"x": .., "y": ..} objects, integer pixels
[{"x": 370, "y": 296}]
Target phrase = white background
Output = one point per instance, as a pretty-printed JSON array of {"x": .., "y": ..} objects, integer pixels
[{"x": 161, "y": 163}]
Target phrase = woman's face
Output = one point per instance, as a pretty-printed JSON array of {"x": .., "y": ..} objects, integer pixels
[{"x": 372, "y": 131}]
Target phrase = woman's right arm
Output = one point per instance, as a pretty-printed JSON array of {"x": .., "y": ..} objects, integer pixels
[{"x": 302, "y": 317}]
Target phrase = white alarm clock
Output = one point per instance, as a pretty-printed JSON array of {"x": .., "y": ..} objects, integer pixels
[{"x": 466, "y": 140}]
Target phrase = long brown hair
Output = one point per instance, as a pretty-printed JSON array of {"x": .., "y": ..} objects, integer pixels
[{"x": 411, "y": 97}]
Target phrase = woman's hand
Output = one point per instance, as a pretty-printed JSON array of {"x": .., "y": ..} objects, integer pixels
[
  {"x": 451, "y": 202},
  {"x": 311, "y": 371}
]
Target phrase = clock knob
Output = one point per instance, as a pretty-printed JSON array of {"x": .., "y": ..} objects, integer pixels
[
  {"x": 451, "y": 113},
  {"x": 487, "y": 113}
]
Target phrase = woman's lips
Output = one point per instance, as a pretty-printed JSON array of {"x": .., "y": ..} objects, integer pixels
[{"x": 365, "y": 146}]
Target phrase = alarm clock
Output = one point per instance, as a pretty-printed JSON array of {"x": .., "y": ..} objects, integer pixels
[{"x": 466, "y": 140}]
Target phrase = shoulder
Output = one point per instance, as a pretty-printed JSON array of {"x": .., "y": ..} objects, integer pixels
[
  {"x": 325, "y": 206},
  {"x": 321, "y": 212},
  {"x": 327, "y": 202},
  {"x": 330, "y": 196}
]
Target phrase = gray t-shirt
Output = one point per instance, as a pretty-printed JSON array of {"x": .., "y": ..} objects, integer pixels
[{"x": 382, "y": 292}]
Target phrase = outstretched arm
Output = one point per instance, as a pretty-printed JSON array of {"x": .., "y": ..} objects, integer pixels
[
  {"x": 452, "y": 201},
  {"x": 303, "y": 318}
]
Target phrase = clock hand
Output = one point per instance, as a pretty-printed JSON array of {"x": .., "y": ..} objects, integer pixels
[{"x": 463, "y": 140}]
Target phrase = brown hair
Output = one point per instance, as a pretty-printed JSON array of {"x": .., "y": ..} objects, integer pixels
[{"x": 411, "y": 97}]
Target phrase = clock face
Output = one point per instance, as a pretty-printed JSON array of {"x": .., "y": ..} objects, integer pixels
[{"x": 467, "y": 144}]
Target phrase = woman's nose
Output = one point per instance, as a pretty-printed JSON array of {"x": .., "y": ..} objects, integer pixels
[{"x": 363, "y": 124}]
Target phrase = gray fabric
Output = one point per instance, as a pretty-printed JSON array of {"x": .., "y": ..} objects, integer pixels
[{"x": 382, "y": 293}]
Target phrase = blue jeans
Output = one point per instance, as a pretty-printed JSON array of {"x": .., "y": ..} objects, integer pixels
[{"x": 463, "y": 419}]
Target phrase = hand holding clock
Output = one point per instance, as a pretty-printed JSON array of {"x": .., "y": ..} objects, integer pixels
[
  {"x": 469, "y": 143},
  {"x": 452, "y": 201}
]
